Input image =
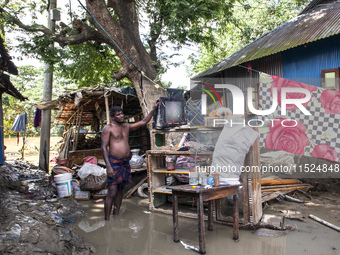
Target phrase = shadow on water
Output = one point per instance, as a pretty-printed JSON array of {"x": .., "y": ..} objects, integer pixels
[{"x": 138, "y": 231}]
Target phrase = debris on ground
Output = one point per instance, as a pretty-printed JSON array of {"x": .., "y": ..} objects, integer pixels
[{"x": 33, "y": 219}]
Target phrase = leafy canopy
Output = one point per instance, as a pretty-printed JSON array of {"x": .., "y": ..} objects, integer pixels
[
  {"x": 250, "y": 20},
  {"x": 177, "y": 21}
]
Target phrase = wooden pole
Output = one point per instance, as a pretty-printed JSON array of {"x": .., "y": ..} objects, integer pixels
[
  {"x": 135, "y": 188},
  {"x": 107, "y": 109},
  {"x": 78, "y": 129},
  {"x": 23, "y": 147},
  {"x": 44, "y": 151}
]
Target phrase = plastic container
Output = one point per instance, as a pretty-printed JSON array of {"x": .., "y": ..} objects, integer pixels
[
  {"x": 82, "y": 195},
  {"x": 64, "y": 184},
  {"x": 193, "y": 177},
  {"x": 216, "y": 180},
  {"x": 211, "y": 180}
]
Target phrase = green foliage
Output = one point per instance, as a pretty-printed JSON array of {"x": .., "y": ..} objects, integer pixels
[
  {"x": 183, "y": 21},
  {"x": 166, "y": 84},
  {"x": 89, "y": 63},
  {"x": 30, "y": 83},
  {"x": 40, "y": 48},
  {"x": 220, "y": 27},
  {"x": 250, "y": 20}
]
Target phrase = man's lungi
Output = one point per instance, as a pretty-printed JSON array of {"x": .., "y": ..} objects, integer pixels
[{"x": 121, "y": 169}]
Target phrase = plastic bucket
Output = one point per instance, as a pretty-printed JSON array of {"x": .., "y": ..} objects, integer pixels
[{"x": 64, "y": 184}]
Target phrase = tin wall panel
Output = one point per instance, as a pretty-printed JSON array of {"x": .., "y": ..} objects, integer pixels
[{"x": 305, "y": 63}]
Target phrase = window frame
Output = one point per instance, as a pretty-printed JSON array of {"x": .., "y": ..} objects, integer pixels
[{"x": 337, "y": 78}]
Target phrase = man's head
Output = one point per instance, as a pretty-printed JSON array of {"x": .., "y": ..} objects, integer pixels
[{"x": 117, "y": 114}]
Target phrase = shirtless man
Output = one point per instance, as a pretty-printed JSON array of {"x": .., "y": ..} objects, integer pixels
[{"x": 116, "y": 137}]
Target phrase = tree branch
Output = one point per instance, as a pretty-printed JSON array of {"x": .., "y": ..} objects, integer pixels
[
  {"x": 126, "y": 12},
  {"x": 32, "y": 28},
  {"x": 81, "y": 31},
  {"x": 120, "y": 74},
  {"x": 5, "y": 3}
]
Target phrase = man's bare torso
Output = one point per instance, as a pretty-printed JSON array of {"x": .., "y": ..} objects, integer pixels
[{"x": 119, "y": 140}]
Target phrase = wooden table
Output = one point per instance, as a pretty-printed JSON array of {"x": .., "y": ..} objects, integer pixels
[{"x": 202, "y": 195}]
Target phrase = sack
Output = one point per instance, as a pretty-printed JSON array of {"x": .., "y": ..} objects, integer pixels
[
  {"x": 88, "y": 169},
  {"x": 93, "y": 183}
]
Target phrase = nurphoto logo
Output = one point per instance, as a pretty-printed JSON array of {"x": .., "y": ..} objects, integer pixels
[{"x": 239, "y": 103}]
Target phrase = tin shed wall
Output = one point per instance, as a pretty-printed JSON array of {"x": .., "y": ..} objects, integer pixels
[{"x": 304, "y": 63}]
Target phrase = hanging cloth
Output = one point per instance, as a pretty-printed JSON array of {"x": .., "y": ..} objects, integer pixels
[
  {"x": 37, "y": 118},
  {"x": 20, "y": 123},
  {"x": 20, "y": 126}
]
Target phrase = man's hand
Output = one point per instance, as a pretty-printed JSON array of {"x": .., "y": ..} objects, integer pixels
[
  {"x": 156, "y": 103},
  {"x": 110, "y": 173}
]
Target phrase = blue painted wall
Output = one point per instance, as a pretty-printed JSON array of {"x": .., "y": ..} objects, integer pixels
[{"x": 304, "y": 64}]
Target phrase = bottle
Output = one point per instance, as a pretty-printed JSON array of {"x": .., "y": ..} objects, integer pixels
[
  {"x": 193, "y": 177},
  {"x": 204, "y": 179},
  {"x": 216, "y": 180},
  {"x": 211, "y": 180},
  {"x": 199, "y": 175}
]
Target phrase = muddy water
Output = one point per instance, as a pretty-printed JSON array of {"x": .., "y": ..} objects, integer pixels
[{"x": 138, "y": 231}]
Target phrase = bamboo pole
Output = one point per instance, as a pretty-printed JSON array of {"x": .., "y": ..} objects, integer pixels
[
  {"x": 107, "y": 109},
  {"x": 78, "y": 128}
]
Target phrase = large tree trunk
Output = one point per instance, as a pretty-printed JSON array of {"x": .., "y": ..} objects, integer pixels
[{"x": 126, "y": 36}]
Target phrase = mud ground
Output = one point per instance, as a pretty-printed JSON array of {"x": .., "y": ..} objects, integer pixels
[{"x": 33, "y": 220}]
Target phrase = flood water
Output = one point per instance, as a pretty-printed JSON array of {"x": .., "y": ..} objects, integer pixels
[{"x": 138, "y": 231}]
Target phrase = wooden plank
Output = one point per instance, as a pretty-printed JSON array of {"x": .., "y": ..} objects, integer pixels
[
  {"x": 274, "y": 195},
  {"x": 178, "y": 153},
  {"x": 286, "y": 187},
  {"x": 135, "y": 187},
  {"x": 269, "y": 182},
  {"x": 210, "y": 215},
  {"x": 162, "y": 189},
  {"x": 176, "y": 171},
  {"x": 236, "y": 217},
  {"x": 77, "y": 157},
  {"x": 175, "y": 218},
  {"x": 256, "y": 183},
  {"x": 149, "y": 178},
  {"x": 201, "y": 227}
]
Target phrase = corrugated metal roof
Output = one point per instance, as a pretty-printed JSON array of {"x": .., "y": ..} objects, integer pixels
[
  {"x": 313, "y": 4},
  {"x": 315, "y": 25}
]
